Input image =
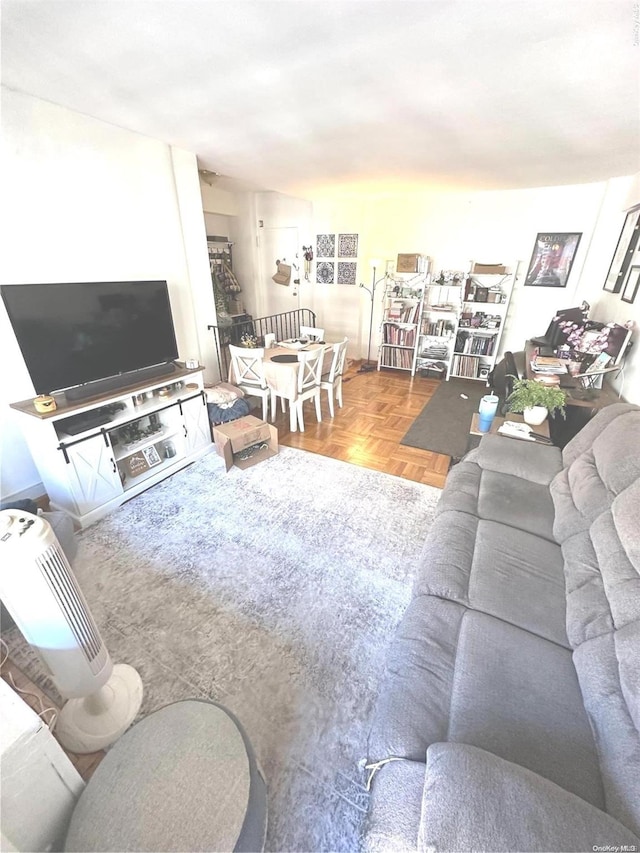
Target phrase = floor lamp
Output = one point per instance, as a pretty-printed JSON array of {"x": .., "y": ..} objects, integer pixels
[{"x": 366, "y": 367}]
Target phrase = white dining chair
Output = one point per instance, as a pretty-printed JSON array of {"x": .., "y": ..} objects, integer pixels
[
  {"x": 331, "y": 382},
  {"x": 308, "y": 388},
  {"x": 312, "y": 332},
  {"x": 248, "y": 374}
]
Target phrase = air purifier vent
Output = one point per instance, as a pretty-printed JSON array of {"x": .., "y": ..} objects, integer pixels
[{"x": 65, "y": 590}]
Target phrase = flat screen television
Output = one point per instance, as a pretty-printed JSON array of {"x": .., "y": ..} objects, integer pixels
[{"x": 74, "y": 335}]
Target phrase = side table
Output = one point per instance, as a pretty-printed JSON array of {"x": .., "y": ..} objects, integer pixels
[
  {"x": 475, "y": 435},
  {"x": 543, "y": 428}
]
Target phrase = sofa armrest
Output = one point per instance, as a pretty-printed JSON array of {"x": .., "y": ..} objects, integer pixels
[
  {"x": 538, "y": 463},
  {"x": 474, "y": 800}
]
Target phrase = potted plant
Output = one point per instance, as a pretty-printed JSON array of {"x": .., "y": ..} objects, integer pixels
[{"x": 535, "y": 400}]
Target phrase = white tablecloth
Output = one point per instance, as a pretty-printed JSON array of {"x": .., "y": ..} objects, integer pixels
[{"x": 282, "y": 377}]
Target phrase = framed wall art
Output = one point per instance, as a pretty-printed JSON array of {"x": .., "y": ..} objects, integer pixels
[
  {"x": 347, "y": 245},
  {"x": 346, "y": 272},
  {"x": 631, "y": 283},
  {"x": 325, "y": 272},
  {"x": 552, "y": 259},
  {"x": 325, "y": 245},
  {"x": 622, "y": 257}
]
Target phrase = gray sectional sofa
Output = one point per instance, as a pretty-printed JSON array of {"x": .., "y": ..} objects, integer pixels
[{"x": 509, "y": 716}]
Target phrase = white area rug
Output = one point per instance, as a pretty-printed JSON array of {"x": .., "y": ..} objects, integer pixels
[{"x": 274, "y": 591}]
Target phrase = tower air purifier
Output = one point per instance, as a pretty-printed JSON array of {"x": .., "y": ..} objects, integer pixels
[{"x": 38, "y": 588}]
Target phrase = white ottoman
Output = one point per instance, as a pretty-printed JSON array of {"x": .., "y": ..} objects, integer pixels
[{"x": 183, "y": 778}]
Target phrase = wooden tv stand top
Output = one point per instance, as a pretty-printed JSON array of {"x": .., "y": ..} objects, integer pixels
[{"x": 64, "y": 408}]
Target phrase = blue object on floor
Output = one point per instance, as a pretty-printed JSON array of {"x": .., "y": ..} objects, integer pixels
[{"x": 220, "y": 415}]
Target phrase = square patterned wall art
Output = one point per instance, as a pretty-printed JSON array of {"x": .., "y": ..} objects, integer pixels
[
  {"x": 347, "y": 245},
  {"x": 346, "y": 272},
  {"x": 325, "y": 273},
  {"x": 326, "y": 246}
]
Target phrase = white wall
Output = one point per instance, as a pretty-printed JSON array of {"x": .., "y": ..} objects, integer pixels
[
  {"x": 622, "y": 194},
  {"x": 454, "y": 228},
  {"x": 83, "y": 200},
  {"x": 215, "y": 200}
]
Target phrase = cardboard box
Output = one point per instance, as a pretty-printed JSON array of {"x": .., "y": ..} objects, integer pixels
[
  {"x": 408, "y": 263},
  {"x": 237, "y": 435},
  {"x": 489, "y": 269}
]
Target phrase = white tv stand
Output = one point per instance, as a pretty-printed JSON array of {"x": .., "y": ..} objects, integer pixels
[{"x": 151, "y": 430}]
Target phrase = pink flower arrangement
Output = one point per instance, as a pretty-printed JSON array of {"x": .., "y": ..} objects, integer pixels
[{"x": 585, "y": 341}]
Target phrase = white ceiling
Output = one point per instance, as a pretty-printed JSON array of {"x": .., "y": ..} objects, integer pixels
[{"x": 296, "y": 96}]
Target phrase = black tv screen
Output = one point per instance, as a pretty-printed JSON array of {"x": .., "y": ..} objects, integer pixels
[{"x": 75, "y": 333}]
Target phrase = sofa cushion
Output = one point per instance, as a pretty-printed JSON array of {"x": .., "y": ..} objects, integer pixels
[
  {"x": 458, "y": 675},
  {"x": 497, "y": 569},
  {"x": 535, "y": 463},
  {"x": 607, "y": 668},
  {"x": 517, "y": 696},
  {"x": 497, "y": 496},
  {"x": 588, "y": 613},
  {"x": 516, "y": 502},
  {"x": 412, "y": 710},
  {"x": 394, "y": 809},
  {"x": 587, "y": 487},
  {"x": 606, "y": 632},
  {"x": 474, "y": 800},
  {"x": 584, "y": 439}
]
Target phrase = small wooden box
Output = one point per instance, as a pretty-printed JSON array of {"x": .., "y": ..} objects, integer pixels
[{"x": 408, "y": 263}]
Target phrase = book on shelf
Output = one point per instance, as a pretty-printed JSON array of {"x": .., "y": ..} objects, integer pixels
[
  {"x": 402, "y": 358},
  {"x": 398, "y": 336},
  {"x": 435, "y": 328},
  {"x": 474, "y": 344},
  {"x": 403, "y": 312},
  {"x": 465, "y": 366}
]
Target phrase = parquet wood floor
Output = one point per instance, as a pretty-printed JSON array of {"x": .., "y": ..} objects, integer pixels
[{"x": 379, "y": 407}]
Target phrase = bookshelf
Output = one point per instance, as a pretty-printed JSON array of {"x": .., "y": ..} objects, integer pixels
[
  {"x": 401, "y": 316},
  {"x": 484, "y": 305},
  {"x": 439, "y": 318}
]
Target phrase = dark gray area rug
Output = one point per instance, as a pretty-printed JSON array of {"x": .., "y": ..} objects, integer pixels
[
  {"x": 443, "y": 424},
  {"x": 274, "y": 591}
]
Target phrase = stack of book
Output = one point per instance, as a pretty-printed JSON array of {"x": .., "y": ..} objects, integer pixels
[{"x": 548, "y": 365}]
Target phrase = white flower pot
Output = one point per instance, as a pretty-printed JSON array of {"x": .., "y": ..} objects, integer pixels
[{"x": 535, "y": 415}]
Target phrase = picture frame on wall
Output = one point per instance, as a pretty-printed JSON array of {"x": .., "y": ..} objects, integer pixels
[
  {"x": 552, "y": 259},
  {"x": 631, "y": 283},
  {"x": 622, "y": 257}
]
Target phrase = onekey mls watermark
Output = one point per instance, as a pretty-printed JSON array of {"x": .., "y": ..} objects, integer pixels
[
  {"x": 636, "y": 24},
  {"x": 615, "y": 848}
]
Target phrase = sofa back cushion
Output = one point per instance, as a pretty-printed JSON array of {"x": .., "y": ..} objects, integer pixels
[
  {"x": 605, "y": 467},
  {"x": 585, "y": 438},
  {"x": 603, "y": 625}
]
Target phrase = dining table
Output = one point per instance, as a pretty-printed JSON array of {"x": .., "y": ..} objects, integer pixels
[{"x": 281, "y": 367}]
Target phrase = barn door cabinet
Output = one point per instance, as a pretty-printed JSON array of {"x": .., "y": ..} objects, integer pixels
[{"x": 93, "y": 456}]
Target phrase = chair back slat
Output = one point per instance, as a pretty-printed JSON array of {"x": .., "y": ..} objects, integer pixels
[
  {"x": 310, "y": 368},
  {"x": 338, "y": 360},
  {"x": 315, "y": 333},
  {"x": 247, "y": 366}
]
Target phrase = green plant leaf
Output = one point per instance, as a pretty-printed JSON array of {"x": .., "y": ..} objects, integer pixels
[{"x": 527, "y": 393}]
